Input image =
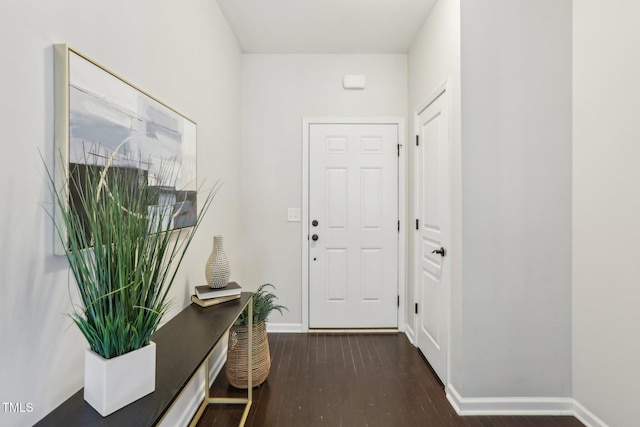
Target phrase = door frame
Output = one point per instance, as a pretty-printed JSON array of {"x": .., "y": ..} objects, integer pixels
[
  {"x": 304, "y": 237},
  {"x": 444, "y": 89}
]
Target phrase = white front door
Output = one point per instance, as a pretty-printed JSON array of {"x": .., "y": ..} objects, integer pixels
[
  {"x": 353, "y": 225},
  {"x": 432, "y": 232}
]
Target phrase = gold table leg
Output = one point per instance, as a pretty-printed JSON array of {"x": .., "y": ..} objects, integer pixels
[{"x": 208, "y": 400}]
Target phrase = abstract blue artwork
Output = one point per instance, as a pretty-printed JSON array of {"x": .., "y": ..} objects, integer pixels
[{"x": 101, "y": 119}]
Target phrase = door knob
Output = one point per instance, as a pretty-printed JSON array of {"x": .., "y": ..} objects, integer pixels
[
  {"x": 442, "y": 251},
  {"x": 314, "y": 222},
  {"x": 314, "y": 237}
]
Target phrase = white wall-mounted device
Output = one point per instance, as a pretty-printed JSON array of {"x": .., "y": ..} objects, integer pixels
[{"x": 354, "y": 81}]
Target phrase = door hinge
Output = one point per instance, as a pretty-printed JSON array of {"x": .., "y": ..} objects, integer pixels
[
  {"x": 418, "y": 140},
  {"x": 398, "y": 226},
  {"x": 399, "y": 146},
  {"x": 398, "y": 300},
  {"x": 417, "y": 224},
  {"x": 416, "y": 308}
]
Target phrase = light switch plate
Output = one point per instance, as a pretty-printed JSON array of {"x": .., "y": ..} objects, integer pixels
[{"x": 293, "y": 214}]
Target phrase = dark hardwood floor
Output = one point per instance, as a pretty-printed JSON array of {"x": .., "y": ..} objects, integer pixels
[{"x": 352, "y": 380}]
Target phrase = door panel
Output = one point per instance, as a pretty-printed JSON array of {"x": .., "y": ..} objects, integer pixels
[
  {"x": 371, "y": 193},
  {"x": 353, "y": 194},
  {"x": 371, "y": 275},
  {"x": 336, "y": 195},
  {"x": 337, "y": 274},
  {"x": 433, "y": 213}
]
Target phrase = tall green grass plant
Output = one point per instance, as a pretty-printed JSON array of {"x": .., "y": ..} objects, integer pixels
[{"x": 122, "y": 259}]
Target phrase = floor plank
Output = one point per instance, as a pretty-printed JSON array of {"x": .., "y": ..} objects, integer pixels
[{"x": 352, "y": 380}]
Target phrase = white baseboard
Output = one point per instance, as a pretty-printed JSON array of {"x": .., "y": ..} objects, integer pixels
[
  {"x": 410, "y": 335},
  {"x": 509, "y": 405},
  {"x": 295, "y": 328},
  {"x": 522, "y": 406},
  {"x": 587, "y": 417},
  {"x": 284, "y": 328}
]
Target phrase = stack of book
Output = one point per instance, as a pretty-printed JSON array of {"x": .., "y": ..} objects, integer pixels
[{"x": 206, "y": 296}]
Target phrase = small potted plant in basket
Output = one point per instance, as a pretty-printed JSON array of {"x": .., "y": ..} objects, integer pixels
[{"x": 237, "y": 372}]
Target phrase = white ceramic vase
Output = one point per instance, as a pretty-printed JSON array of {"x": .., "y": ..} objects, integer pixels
[
  {"x": 111, "y": 384},
  {"x": 217, "y": 270}
]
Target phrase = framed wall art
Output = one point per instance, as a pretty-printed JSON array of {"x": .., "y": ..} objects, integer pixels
[{"x": 102, "y": 119}]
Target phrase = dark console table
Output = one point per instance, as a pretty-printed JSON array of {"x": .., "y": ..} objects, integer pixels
[{"x": 183, "y": 345}]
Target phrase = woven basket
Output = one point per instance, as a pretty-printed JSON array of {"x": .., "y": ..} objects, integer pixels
[{"x": 237, "y": 355}]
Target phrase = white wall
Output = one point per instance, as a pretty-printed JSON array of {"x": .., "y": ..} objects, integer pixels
[
  {"x": 185, "y": 55},
  {"x": 516, "y": 198},
  {"x": 433, "y": 59},
  {"x": 606, "y": 210},
  {"x": 277, "y": 92}
]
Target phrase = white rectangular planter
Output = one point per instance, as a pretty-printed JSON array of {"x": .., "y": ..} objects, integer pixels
[{"x": 111, "y": 384}]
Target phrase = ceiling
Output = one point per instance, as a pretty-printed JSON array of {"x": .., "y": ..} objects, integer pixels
[{"x": 326, "y": 26}]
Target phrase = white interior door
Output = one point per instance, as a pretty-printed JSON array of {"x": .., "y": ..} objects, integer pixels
[
  {"x": 432, "y": 229},
  {"x": 353, "y": 226}
]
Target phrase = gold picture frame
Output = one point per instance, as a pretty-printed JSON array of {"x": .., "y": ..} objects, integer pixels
[{"x": 99, "y": 116}]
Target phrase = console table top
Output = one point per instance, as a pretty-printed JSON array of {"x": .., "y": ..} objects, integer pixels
[{"x": 182, "y": 345}]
